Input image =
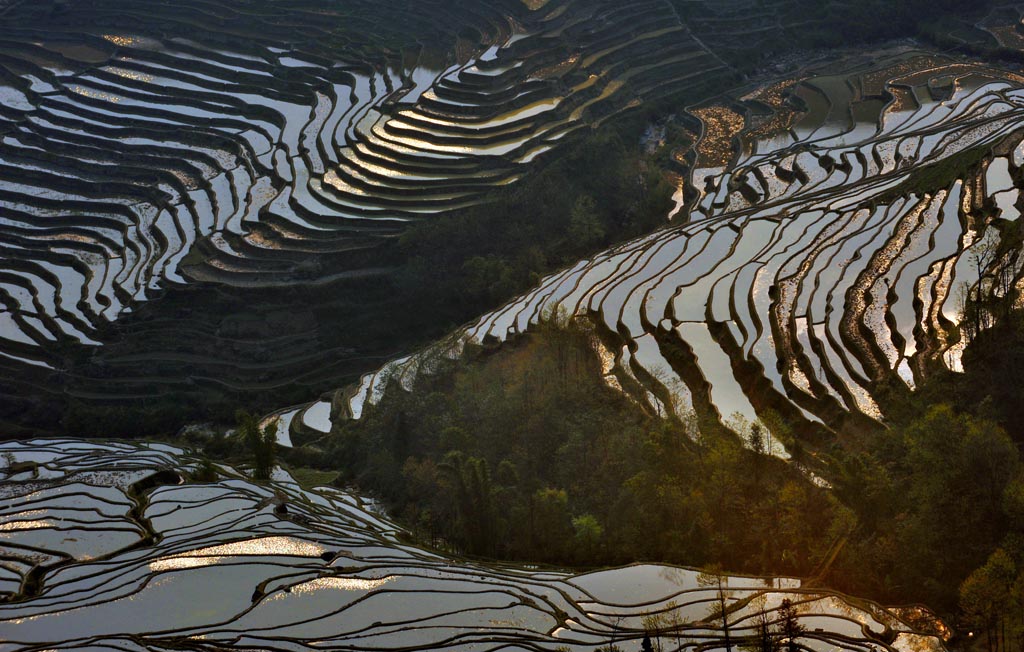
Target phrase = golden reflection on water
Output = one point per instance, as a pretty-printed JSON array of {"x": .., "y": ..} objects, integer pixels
[
  {"x": 250, "y": 547},
  {"x": 264, "y": 546},
  {"x": 908, "y": 642},
  {"x": 15, "y": 526},
  {"x": 96, "y": 95},
  {"x": 721, "y": 124},
  {"x": 182, "y": 563},
  {"x": 116, "y": 39},
  {"x": 131, "y": 74},
  {"x": 335, "y": 583}
]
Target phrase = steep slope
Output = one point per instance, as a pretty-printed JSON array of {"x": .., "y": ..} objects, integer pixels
[
  {"x": 246, "y": 149},
  {"x": 832, "y": 251},
  {"x": 239, "y": 565}
]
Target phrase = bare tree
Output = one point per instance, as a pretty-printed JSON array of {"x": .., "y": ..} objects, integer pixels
[
  {"x": 764, "y": 638},
  {"x": 653, "y": 625},
  {"x": 675, "y": 622},
  {"x": 719, "y": 611}
]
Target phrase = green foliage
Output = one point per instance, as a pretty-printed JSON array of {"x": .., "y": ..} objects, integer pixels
[
  {"x": 789, "y": 628},
  {"x": 469, "y": 480},
  {"x": 588, "y": 534},
  {"x": 990, "y": 599},
  {"x": 206, "y": 471},
  {"x": 942, "y": 491},
  {"x": 525, "y": 453},
  {"x": 931, "y": 496},
  {"x": 597, "y": 192},
  {"x": 310, "y": 478},
  {"x": 261, "y": 443},
  {"x": 585, "y": 227}
]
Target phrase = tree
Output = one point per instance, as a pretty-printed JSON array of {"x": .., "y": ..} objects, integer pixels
[
  {"x": 756, "y": 439},
  {"x": 551, "y": 525},
  {"x": 653, "y": 624},
  {"x": 588, "y": 534},
  {"x": 719, "y": 610},
  {"x": 206, "y": 471},
  {"x": 977, "y": 313},
  {"x": 645, "y": 645},
  {"x": 763, "y": 639},
  {"x": 260, "y": 441},
  {"x": 585, "y": 228},
  {"x": 1013, "y": 502},
  {"x": 674, "y": 619},
  {"x": 789, "y": 628},
  {"x": 470, "y": 480},
  {"x": 985, "y": 597}
]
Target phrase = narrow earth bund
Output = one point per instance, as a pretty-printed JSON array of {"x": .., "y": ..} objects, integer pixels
[
  {"x": 109, "y": 546},
  {"x": 829, "y": 246},
  {"x": 225, "y": 154}
]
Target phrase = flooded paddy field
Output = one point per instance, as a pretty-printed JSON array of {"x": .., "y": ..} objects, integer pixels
[
  {"x": 816, "y": 260},
  {"x": 202, "y": 205},
  {"x": 204, "y": 202},
  {"x": 119, "y": 546},
  {"x": 161, "y": 169}
]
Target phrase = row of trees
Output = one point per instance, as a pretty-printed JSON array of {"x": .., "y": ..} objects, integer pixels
[
  {"x": 775, "y": 630},
  {"x": 526, "y": 453},
  {"x": 601, "y": 190},
  {"x": 992, "y": 602}
]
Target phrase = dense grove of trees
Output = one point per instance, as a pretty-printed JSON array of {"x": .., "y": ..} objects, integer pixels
[
  {"x": 930, "y": 499},
  {"x": 525, "y": 453},
  {"x": 599, "y": 191}
]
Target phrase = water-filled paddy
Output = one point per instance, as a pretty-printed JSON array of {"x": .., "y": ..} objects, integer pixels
[
  {"x": 227, "y": 565},
  {"x": 280, "y": 144},
  {"x": 816, "y": 264}
]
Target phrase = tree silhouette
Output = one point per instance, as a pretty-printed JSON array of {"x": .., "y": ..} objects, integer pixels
[
  {"x": 260, "y": 441},
  {"x": 763, "y": 639},
  {"x": 645, "y": 645},
  {"x": 470, "y": 478},
  {"x": 789, "y": 629},
  {"x": 713, "y": 578}
]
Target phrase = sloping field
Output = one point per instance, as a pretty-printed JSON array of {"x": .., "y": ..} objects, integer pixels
[
  {"x": 205, "y": 143},
  {"x": 224, "y": 153},
  {"x": 828, "y": 255},
  {"x": 102, "y": 551}
]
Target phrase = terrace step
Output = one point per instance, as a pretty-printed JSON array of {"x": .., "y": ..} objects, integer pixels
[{"x": 806, "y": 272}]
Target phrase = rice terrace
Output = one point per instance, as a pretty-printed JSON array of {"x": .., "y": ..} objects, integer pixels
[{"x": 499, "y": 325}]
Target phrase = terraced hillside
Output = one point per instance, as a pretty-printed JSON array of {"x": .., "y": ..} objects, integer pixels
[
  {"x": 247, "y": 149},
  {"x": 838, "y": 225},
  {"x": 111, "y": 546}
]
